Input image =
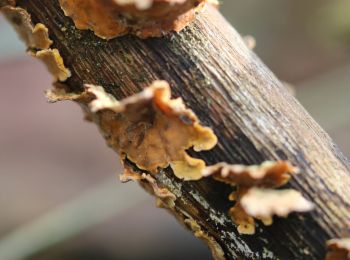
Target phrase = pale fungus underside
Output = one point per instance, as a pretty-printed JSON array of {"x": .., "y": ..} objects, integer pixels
[{"x": 255, "y": 196}]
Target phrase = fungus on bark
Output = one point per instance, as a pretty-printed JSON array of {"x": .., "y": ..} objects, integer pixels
[
  {"x": 34, "y": 36},
  {"x": 54, "y": 63},
  {"x": 149, "y": 128},
  {"x": 308, "y": 164},
  {"x": 269, "y": 174},
  {"x": 265, "y": 203},
  {"x": 144, "y": 18},
  {"x": 254, "y": 195}
]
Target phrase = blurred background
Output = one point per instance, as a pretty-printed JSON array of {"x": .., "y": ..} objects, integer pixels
[{"x": 59, "y": 194}]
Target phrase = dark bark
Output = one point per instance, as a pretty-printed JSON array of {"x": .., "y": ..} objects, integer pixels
[{"x": 254, "y": 116}]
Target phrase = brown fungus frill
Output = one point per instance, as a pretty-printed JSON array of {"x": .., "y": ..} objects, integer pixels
[
  {"x": 254, "y": 196},
  {"x": 144, "y": 18},
  {"x": 34, "y": 36},
  {"x": 269, "y": 174},
  {"x": 54, "y": 63},
  {"x": 150, "y": 129},
  {"x": 338, "y": 249}
]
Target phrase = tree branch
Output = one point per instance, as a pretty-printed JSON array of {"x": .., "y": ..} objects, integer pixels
[{"x": 254, "y": 116}]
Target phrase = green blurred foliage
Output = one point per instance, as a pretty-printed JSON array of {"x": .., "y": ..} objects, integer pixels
[{"x": 334, "y": 22}]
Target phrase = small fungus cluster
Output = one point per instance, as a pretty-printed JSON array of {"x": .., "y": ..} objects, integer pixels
[
  {"x": 35, "y": 37},
  {"x": 255, "y": 195},
  {"x": 154, "y": 131}
]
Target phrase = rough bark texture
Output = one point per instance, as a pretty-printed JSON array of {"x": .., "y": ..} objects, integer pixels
[{"x": 254, "y": 116}]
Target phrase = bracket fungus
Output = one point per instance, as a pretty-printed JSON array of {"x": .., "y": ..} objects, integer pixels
[
  {"x": 54, "y": 63},
  {"x": 144, "y": 18},
  {"x": 34, "y": 36},
  {"x": 269, "y": 174},
  {"x": 254, "y": 196},
  {"x": 153, "y": 131},
  {"x": 150, "y": 129},
  {"x": 264, "y": 203},
  {"x": 338, "y": 249}
]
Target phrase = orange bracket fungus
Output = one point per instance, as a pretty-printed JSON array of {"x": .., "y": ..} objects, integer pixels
[
  {"x": 268, "y": 174},
  {"x": 338, "y": 249},
  {"x": 54, "y": 63},
  {"x": 149, "y": 128},
  {"x": 36, "y": 37},
  {"x": 144, "y": 18},
  {"x": 154, "y": 131},
  {"x": 255, "y": 196}
]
